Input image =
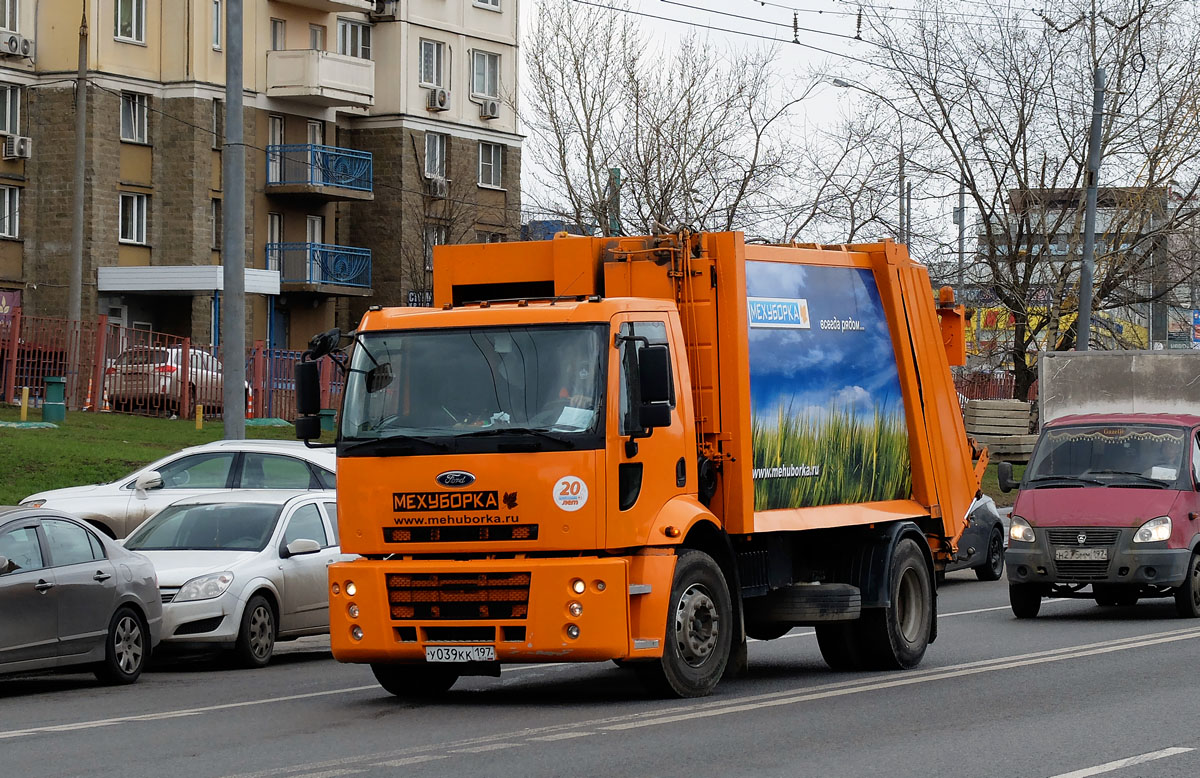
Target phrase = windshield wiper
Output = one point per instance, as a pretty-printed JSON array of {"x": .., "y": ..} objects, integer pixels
[
  {"x": 1143, "y": 478},
  {"x": 494, "y": 431},
  {"x": 389, "y": 444},
  {"x": 1067, "y": 478}
]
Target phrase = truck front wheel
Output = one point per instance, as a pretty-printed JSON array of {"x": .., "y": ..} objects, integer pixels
[
  {"x": 1025, "y": 599},
  {"x": 1187, "y": 596},
  {"x": 895, "y": 637},
  {"x": 414, "y": 681},
  {"x": 699, "y": 630}
]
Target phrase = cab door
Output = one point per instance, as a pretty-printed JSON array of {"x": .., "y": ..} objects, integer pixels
[{"x": 646, "y": 468}]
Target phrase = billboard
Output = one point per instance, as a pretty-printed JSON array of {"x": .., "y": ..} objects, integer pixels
[{"x": 827, "y": 413}]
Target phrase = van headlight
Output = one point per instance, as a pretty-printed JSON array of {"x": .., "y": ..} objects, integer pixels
[
  {"x": 204, "y": 587},
  {"x": 1153, "y": 530},
  {"x": 1019, "y": 530}
]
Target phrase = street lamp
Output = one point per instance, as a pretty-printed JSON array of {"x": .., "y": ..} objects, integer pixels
[{"x": 842, "y": 83}]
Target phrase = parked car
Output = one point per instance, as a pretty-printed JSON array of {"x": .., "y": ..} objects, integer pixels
[
  {"x": 152, "y": 377},
  {"x": 982, "y": 544},
  {"x": 243, "y": 569},
  {"x": 70, "y": 596},
  {"x": 117, "y": 508}
]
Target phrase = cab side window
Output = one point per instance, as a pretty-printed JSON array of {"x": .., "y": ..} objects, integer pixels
[
  {"x": 655, "y": 332},
  {"x": 20, "y": 545},
  {"x": 1196, "y": 460},
  {"x": 69, "y": 543},
  {"x": 306, "y": 524}
]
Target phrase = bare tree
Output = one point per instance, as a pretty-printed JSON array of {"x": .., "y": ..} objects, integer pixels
[{"x": 1010, "y": 103}]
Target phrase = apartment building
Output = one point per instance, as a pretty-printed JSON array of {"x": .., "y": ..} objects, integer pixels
[{"x": 336, "y": 211}]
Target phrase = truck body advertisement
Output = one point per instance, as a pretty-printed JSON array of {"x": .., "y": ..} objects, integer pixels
[{"x": 827, "y": 413}]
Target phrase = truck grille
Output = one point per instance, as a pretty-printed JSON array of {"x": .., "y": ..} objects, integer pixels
[
  {"x": 459, "y": 534},
  {"x": 1093, "y": 536},
  {"x": 459, "y": 596},
  {"x": 1081, "y": 571}
]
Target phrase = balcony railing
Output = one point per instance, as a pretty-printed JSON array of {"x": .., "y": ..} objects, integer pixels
[
  {"x": 307, "y": 167},
  {"x": 320, "y": 263},
  {"x": 321, "y": 78}
]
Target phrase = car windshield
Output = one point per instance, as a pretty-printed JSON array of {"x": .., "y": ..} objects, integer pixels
[
  {"x": 1109, "y": 455},
  {"x": 476, "y": 381},
  {"x": 239, "y": 526}
]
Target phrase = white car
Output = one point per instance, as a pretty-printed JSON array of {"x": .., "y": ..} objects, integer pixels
[
  {"x": 244, "y": 569},
  {"x": 214, "y": 468}
]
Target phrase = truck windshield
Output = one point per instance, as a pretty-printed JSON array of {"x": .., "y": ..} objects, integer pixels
[
  {"x": 1108, "y": 455},
  {"x": 543, "y": 383}
]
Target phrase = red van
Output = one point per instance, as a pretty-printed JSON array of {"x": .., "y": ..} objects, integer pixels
[{"x": 1108, "y": 509}]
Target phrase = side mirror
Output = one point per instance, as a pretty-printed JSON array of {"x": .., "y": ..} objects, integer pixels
[
  {"x": 308, "y": 427},
  {"x": 1004, "y": 475},
  {"x": 654, "y": 374},
  {"x": 652, "y": 415},
  {"x": 299, "y": 547},
  {"x": 149, "y": 480},
  {"x": 308, "y": 388}
]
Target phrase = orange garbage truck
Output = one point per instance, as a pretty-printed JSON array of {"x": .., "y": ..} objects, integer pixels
[{"x": 646, "y": 449}]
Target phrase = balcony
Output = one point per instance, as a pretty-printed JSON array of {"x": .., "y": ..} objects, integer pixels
[
  {"x": 326, "y": 172},
  {"x": 321, "y": 267},
  {"x": 321, "y": 78},
  {"x": 336, "y": 6}
]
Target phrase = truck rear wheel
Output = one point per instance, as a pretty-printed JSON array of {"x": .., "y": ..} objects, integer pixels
[
  {"x": 895, "y": 637},
  {"x": 840, "y": 646},
  {"x": 414, "y": 681},
  {"x": 1187, "y": 596},
  {"x": 1025, "y": 599},
  {"x": 699, "y": 631}
]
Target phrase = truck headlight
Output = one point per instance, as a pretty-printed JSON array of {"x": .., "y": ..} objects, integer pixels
[
  {"x": 1153, "y": 530},
  {"x": 204, "y": 587},
  {"x": 1019, "y": 530}
]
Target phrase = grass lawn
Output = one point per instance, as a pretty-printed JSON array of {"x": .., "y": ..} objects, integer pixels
[
  {"x": 93, "y": 448},
  {"x": 991, "y": 485}
]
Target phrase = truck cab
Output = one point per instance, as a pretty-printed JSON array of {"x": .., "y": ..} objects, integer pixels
[{"x": 1107, "y": 510}]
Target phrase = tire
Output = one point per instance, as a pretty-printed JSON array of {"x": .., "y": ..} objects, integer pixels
[
  {"x": 993, "y": 565},
  {"x": 1187, "y": 596},
  {"x": 414, "y": 681},
  {"x": 256, "y": 637},
  {"x": 126, "y": 648},
  {"x": 1025, "y": 599},
  {"x": 895, "y": 637},
  {"x": 840, "y": 646},
  {"x": 699, "y": 634}
]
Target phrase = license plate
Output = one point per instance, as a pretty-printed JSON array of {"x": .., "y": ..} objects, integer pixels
[
  {"x": 1080, "y": 554},
  {"x": 460, "y": 653}
]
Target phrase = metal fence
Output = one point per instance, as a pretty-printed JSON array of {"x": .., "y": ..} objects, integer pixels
[
  {"x": 986, "y": 386},
  {"x": 109, "y": 367}
]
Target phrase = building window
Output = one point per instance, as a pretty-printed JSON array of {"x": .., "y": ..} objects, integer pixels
[
  {"x": 133, "y": 117},
  {"x": 354, "y": 39},
  {"x": 10, "y": 109},
  {"x": 493, "y": 5},
  {"x": 490, "y": 155},
  {"x": 490, "y": 237},
  {"x": 432, "y": 57},
  {"x": 10, "y": 211},
  {"x": 435, "y": 235},
  {"x": 485, "y": 74},
  {"x": 132, "y": 218},
  {"x": 274, "y": 238},
  {"x": 131, "y": 21},
  {"x": 316, "y": 37},
  {"x": 278, "y": 35},
  {"x": 216, "y": 224},
  {"x": 435, "y": 155},
  {"x": 216, "y": 24},
  {"x": 8, "y": 15}
]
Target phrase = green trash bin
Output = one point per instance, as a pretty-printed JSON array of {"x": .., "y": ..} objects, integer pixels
[
  {"x": 328, "y": 419},
  {"x": 54, "y": 409}
]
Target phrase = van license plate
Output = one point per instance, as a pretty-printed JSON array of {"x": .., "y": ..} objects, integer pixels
[
  {"x": 460, "y": 653},
  {"x": 1080, "y": 554}
]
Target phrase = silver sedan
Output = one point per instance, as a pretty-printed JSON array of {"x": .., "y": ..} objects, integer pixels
[
  {"x": 70, "y": 596},
  {"x": 243, "y": 569}
]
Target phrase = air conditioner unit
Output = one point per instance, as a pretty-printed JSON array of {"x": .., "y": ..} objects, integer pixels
[
  {"x": 14, "y": 45},
  {"x": 438, "y": 187},
  {"x": 439, "y": 99},
  {"x": 17, "y": 147},
  {"x": 386, "y": 11},
  {"x": 489, "y": 109}
]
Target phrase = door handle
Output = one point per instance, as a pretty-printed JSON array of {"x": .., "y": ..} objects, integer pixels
[
  {"x": 101, "y": 576},
  {"x": 43, "y": 586}
]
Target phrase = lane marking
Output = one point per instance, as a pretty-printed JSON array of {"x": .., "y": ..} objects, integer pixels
[
  {"x": 692, "y": 709},
  {"x": 489, "y": 747},
  {"x": 411, "y": 760},
  {"x": 1117, "y": 764},
  {"x": 561, "y": 736},
  {"x": 330, "y": 773}
]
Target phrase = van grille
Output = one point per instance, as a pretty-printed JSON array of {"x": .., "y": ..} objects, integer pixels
[
  {"x": 1081, "y": 571},
  {"x": 1093, "y": 536},
  {"x": 459, "y": 596}
]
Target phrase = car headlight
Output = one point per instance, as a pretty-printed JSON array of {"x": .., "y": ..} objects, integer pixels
[
  {"x": 1153, "y": 530},
  {"x": 33, "y": 503},
  {"x": 204, "y": 587},
  {"x": 1019, "y": 530}
]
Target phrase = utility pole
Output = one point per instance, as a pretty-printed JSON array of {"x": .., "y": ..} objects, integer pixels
[
  {"x": 233, "y": 234},
  {"x": 901, "y": 232},
  {"x": 961, "y": 221},
  {"x": 1083, "y": 326},
  {"x": 908, "y": 213},
  {"x": 75, "y": 279}
]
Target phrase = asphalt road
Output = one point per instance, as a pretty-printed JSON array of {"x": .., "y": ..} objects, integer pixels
[{"x": 1079, "y": 691}]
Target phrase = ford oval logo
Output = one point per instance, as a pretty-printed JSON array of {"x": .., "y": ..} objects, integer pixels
[{"x": 455, "y": 478}]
